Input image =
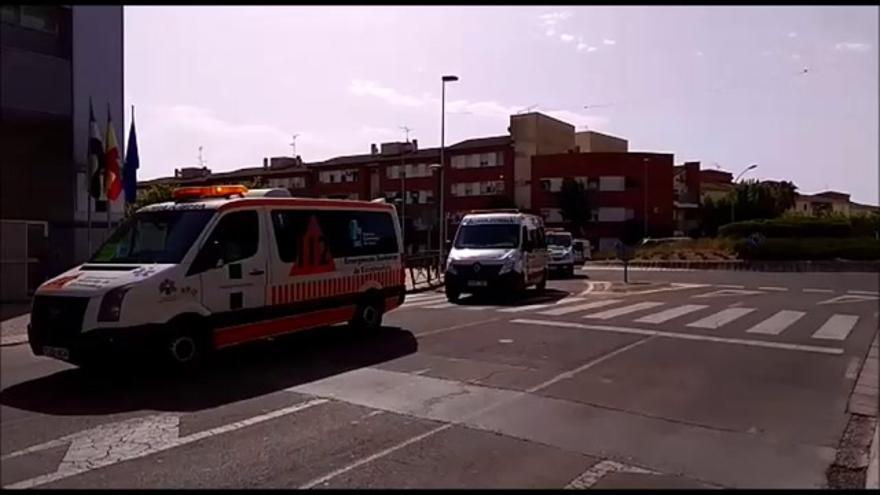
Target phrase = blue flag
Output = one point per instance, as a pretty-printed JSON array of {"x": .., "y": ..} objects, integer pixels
[{"x": 132, "y": 162}]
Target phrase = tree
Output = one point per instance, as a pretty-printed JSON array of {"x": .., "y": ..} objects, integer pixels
[
  {"x": 157, "y": 193},
  {"x": 769, "y": 199},
  {"x": 574, "y": 203}
]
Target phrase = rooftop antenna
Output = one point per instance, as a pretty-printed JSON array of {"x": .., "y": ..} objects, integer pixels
[
  {"x": 201, "y": 159},
  {"x": 406, "y": 130},
  {"x": 527, "y": 109},
  {"x": 293, "y": 145}
]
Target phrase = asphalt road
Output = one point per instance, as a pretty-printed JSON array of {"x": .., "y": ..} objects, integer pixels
[{"x": 727, "y": 379}]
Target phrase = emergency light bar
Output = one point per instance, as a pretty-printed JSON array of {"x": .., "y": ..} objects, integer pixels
[{"x": 189, "y": 193}]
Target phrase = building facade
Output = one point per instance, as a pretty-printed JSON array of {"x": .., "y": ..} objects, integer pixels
[{"x": 52, "y": 60}]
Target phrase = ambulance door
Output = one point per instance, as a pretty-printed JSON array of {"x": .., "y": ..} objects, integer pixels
[{"x": 232, "y": 263}]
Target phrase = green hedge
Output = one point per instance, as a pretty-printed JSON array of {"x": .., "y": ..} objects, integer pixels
[
  {"x": 791, "y": 227},
  {"x": 853, "y": 248}
]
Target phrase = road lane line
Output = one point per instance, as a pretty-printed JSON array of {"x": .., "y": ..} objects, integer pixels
[
  {"x": 423, "y": 295},
  {"x": 669, "y": 314},
  {"x": 454, "y": 327},
  {"x": 864, "y": 292},
  {"x": 531, "y": 307},
  {"x": 440, "y": 306},
  {"x": 579, "y": 307},
  {"x": 721, "y": 318},
  {"x": 469, "y": 416},
  {"x": 773, "y": 288},
  {"x": 837, "y": 327},
  {"x": 591, "y": 476},
  {"x": 423, "y": 302},
  {"x": 614, "y": 313},
  {"x": 682, "y": 336},
  {"x": 819, "y": 291},
  {"x": 777, "y": 323},
  {"x": 476, "y": 308},
  {"x": 729, "y": 286},
  {"x": 140, "y": 437}
]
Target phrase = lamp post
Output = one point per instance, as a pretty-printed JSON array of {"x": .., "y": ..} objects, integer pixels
[
  {"x": 444, "y": 80},
  {"x": 733, "y": 198}
]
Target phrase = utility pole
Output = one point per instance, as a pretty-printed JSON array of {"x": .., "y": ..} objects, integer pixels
[
  {"x": 403, "y": 188},
  {"x": 293, "y": 145},
  {"x": 201, "y": 160}
]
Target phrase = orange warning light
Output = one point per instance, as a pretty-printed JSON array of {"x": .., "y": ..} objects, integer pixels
[{"x": 184, "y": 193}]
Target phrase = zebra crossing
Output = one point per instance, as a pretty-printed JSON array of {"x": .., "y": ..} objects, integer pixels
[{"x": 836, "y": 327}]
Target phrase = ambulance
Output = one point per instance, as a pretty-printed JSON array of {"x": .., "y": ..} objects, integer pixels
[
  {"x": 220, "y": 266},
  {"x": 496, "y": 250}
]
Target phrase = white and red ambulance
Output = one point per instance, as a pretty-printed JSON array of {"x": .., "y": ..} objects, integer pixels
[{"x": 219, "y": 266}]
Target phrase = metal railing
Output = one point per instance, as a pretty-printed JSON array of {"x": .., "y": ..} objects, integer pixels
[{"x": 423, "y": 270}]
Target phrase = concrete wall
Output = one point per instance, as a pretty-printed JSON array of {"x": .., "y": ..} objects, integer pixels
[
  {"x": 535, "y": 134},
  {"x": 591, "y": 141}
]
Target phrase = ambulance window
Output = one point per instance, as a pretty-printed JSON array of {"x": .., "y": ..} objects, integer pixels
[
  {"x": 335, "y": 234},
  {"x": 237, "y": 235}
]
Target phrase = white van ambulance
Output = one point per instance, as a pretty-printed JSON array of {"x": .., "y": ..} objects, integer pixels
[
  {"x": 220, "y": 266},
  {"x": 496, "y": 250},
  {"x": 559, "y": 246}
]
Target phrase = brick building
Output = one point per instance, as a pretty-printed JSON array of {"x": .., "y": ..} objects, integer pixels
[{"x": 521, "y": 169}]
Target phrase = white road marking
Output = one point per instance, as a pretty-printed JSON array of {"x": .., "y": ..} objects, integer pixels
[
  {"x": 852, "y": 368},
  {"x": 682, "y": 336},
  {"x": 441, "y": 306},
  {"x": 503, "y": 398},
  {"x": 531, "y": 307},
  {"x": 728, "y": 286},
  {"x": 625, "y": 310},
  {"x": 600, "y": 469},
  {"x": 423, "y": 302},
  {"x": 864, "y": 292},
  {"x": 139, "y": 437},
  {"x": 579, "y": 307},
  {"x": 423, "y": 295},
  {"x": 721, "y": 318},
  {"x": 672, "y": 287},
  {"x": 819, "y": 291},
  {"x": 837, "y": 327},
  {"x": 777, "y": 323},
  {"x": 728, "y": 292},
  {"x": 476, "y": 308},
  {"x": 849, "y": 298},
  {"x": 669, "y": 314},
  {"x": 773, "y": 288},
  {"x": 455, "y": 327}
]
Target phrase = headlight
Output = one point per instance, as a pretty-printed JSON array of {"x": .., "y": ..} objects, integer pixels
[
  {"x": 511, "y": 263},
  {"x": 111, "y": 304},
  {"x": 450, "y": 268}
]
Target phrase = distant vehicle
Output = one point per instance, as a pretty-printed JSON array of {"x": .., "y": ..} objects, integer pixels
[
  {"x": 582, "y": 251},
  {"x": 221, "y": 266},
  {"x": 497, "y": 251},
  {"x": 561, "y": 251}
]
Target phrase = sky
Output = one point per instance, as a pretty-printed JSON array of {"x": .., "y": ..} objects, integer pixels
[{"x": 791, "y": 89}]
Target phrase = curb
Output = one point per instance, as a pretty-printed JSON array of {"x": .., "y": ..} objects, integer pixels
[
  {"x": 11, "y": 341},
  {"x": 871, "y": 480},
  {"x": 760, "y": 266}
]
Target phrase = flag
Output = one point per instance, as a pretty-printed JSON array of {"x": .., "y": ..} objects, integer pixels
[
  {"x": 113, "y": 176},
  {"x": 132, "y": 162},
  {"x": 95, "y": 158}
]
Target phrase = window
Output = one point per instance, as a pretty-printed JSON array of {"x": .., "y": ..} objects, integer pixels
[
  {"x": 300, "y": 234},
  {"x": 551, "y": 184},
  {"x": 237, "y": 236},
  {"x": 338, "y": 176},
  {"x": 612, "y": 214},
  {"x": 458, "y": 161},
  {"x": 393, "y": 171},
  {"x": 477, "y": 160},
  {"x": 594, "y": 215},
  {"x": 154, "y": 237},
  {"x": 612, "y": 183},
  {"x": 9, "y": 13}
]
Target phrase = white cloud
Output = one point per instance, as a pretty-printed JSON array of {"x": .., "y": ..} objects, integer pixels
[
  {"x": 550, "y": 32},
  {"x": 370, "y": 88},
  {"x": 552, "y": 18},
  {"x": 566, "y": 37},
  {"x": 606, "y": 41},
  {"x": 582, "y": 46},
  {"x": 852, "y": 46},
  {"x": 578, "y": 119},
  {"x": 792, "y": 34},
  {"x": 591, "y": 48}
]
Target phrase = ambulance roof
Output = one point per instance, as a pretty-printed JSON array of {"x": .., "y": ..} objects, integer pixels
[
  {"x": 475, "y": 218},
  {"x": 239, "y": 202}
]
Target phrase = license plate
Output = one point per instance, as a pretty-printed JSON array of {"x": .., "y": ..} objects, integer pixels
[
  {"x": 477, "y": 283},
  {"x": 56, "y": 352}
]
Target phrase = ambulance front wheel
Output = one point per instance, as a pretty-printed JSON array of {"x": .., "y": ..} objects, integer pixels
[
  {"x": 185, "y": 347},
  {"x": 368, "y": 315}
]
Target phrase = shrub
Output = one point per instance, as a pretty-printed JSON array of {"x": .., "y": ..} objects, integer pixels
[
  {"x": 852, "y": 248},
  {"x": 804, "y": 227}
]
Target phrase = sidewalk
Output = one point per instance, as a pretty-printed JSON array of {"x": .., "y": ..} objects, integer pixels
[{"x": 13, "y": 331}]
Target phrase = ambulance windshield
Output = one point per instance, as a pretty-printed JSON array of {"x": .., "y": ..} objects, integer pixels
[{"x": 154, "y": 237}]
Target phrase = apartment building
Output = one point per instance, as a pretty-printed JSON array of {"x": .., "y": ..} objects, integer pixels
[{"x": 831, "y": 203}]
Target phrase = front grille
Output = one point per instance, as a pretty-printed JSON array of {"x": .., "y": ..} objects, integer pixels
[
  {"x": 485, "y": 272},
  {"x": 57, "y": 319}
]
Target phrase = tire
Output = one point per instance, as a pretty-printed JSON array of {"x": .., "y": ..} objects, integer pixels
[
  {"x": 186, "y": 347},
  {"x": 368, "y": 315},
  {"x": 452, "y": 295}
]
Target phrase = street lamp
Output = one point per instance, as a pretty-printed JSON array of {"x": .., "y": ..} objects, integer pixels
[
  {"x": 444, "y": 80},
  {"x": 733, "y": 198}
]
